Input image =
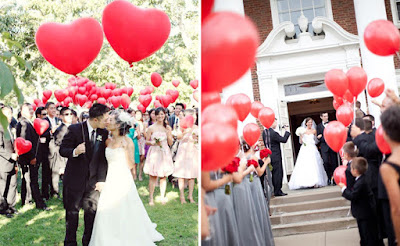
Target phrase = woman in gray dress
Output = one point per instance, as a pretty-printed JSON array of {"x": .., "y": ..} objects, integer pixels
[
  {"x": 223, "y": 224},
  {"x": 257, "y": 193}
]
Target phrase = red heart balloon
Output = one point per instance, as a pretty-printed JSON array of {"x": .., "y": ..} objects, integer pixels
[
  {"x": 226, "y": 37},
  {"x": 357, "y": 80},
  {"x": 381, "y": 142},
  {"x": 175, "y": 83},
  {"x": 196, "y": 95},
  {"x": 166, "y": 100},
  {"x": 375, "y": 87},
  {"x": 106, "y": 93},
  {"x": 88, "y": 104},
  {"x": 101, "y": 100},
  {"x": 157, "y": 104},
  {"x": 40, "y": 126},
  {"x": 339, "y": 175},
  {"x": 206, "y": 7},
  {"x": 129, "y": 91},
  {"x": 208, "y": 98},
  {"x": 337, "y": 82},
  {"x": 348, "y": 97},
  {"x": 34, "y": 106},
  {"x": 255, "y": 108},
  {"x": 125, "y": 101},
  {"x": 339, "y": 100},
  {"x": 70, "y": 47},
  {"x": 67, "y": 101},
  {"x": 187, "y": 122},
  {"x": 266, "y": 116},
  {"x": 82, "y": 90},
  {"x": 141, "y": 108},
  {"x": 22, "y": 146},
  {"x": 144, "y": 92},
  {"x": 60, "y": 95},
  {"x": 47, "y": 93},
  {"x": 335, "y": 134},
  {"x": 44, "y": 100},
  {"x": 72, "y": 91},
  {"x": 241, "y": 103},
  {"x": 251, "y": 133},
  {"x": 93, "y": 97},
  {"x": 345, "y": 114},
  {"x": 219, "y": 144},
  {"x": 194, "y": 84},
  {"x": 174, "y": 94},
  {"x": 82, "y": 99},
  {"x": 382, "y": 38},
  {"x": 134, "y": 33},
  {"x": 150, "y": 89},
  {"x": 81, "y": 81},
  {"x": 115, "y": 101},
  {"x": 156, "y": 79},
  {"x": 36, "y": 101},
  {"x": 221, "y": 114}
]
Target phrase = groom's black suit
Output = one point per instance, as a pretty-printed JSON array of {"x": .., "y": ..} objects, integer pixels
[
  {"x": 80, "y": 178},
  {"x": 328, "y": 155}
]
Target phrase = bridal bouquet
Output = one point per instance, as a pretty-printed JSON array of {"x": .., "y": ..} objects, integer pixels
[
  {"x": 300, "y": 131},
  {"x": 252, "y": 163},
  {"x": 159, "y": 139},
  {"x": 231, "y": 168}
]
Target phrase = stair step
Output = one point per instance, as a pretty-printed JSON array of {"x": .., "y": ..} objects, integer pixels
[
  {"x": 310, "y": 215},
  {"x": 313, "y": 226},
  {"x": 307, "y": 195},
  {"x": 309, "y": 205}
]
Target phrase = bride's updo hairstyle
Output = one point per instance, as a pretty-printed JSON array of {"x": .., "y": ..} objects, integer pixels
[
  {"x": 350, "y": 149},
  {"x": 122, "y": 119},
  {"x": 307, "y": 120}
]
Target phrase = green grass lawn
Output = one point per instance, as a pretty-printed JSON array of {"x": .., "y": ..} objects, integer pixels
[{"x": 177, "y": 223}]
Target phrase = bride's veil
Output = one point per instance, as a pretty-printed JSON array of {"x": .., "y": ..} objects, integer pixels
[{"x": 314, "y": 126}]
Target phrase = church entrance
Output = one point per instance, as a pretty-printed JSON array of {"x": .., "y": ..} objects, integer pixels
[{"x": 300, "y": 110}]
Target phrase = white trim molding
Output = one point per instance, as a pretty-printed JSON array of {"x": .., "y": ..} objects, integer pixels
[{"x": 395, "y": 16}]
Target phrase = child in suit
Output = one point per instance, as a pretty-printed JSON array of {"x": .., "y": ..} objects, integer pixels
[
  {"x": 350, "y": 151},
  {"x": 362, "y": 202}
]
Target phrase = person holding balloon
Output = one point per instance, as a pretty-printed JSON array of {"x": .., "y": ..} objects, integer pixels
[
  {"x": 8, "y": 176},
  {"x": 27, "y": 161},
  {"x": 350, "y": 151},
  {"x": 363, "y": 206}
]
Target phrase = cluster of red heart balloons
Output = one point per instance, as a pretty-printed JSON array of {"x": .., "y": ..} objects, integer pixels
[{"x": 134, "y": 33}]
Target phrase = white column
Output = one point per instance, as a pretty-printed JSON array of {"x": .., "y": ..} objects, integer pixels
[
  {"x": 375, "y": 66},
  {"x": 244, "y": 84}
]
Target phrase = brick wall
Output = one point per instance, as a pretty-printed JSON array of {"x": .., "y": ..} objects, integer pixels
[{"x": 344, "y": 15}]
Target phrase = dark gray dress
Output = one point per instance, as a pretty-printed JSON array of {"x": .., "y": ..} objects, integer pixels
[
  {"x": 223, "y": 225},
  {"x": 246, "y": 215},
  {"x": 261, "y": 210}
]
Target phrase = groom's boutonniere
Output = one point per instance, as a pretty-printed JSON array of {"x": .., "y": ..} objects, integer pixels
[{"x": 99, "y": 138}]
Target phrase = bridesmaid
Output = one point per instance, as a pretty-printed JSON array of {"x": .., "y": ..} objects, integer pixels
[
  {"x": 133, "y": 134},
  {"x": 223, "y": 224},
  {"x": 243, "y": 203},
  {"x": 159, "y": 159},
  {"x": 186, "y": 165},
  {"x": 257, "y": 194}
]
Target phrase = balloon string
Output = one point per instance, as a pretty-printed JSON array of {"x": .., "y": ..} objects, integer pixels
[{"x": 354, "y": 109}]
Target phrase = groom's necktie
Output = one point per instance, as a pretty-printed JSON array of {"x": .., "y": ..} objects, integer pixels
[{"x": 92, "y": 139}]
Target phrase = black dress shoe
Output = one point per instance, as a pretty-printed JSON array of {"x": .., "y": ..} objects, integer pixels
[{"x": 280, "y": 194}]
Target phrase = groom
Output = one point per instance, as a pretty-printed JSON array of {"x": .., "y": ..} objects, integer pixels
[
  {"x": 328, "y": 155},
  {"x": 86, "y": 170}
]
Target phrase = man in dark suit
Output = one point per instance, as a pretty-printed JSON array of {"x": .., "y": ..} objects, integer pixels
[
  {"x": 362, "y": 203},
  {"x": 8, "y": 177},
  {"x": 47, "y": 174},
  {"x": 57, "y": 162},
  {"x": 273, "y": 140},
  {"x": 86, "y": 170},
  {"x": 372, "y": 119},
  {"x": 28, "y": 161},
  {"x": 173, "y": 119},
  {"x": 328, "y": 155}
]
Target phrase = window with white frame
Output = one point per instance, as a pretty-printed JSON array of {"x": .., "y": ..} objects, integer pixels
[
  {"x": 395, "y": 6},
  {"x": 290, "y": 10}
]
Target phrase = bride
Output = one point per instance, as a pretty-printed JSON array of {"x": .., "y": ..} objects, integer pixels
[
  {"x": 121, "y": 218},
  {"x": 309, "y": 169}
]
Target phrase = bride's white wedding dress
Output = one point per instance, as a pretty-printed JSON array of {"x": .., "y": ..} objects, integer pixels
[
  {"x": 309, "y": 168},
  {"x": 121, "y": 219}
]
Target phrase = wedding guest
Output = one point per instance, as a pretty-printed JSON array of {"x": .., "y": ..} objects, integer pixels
[
  {"x": 257, "y": 194},
  {"x": 141, "y": 141},
  {"x": 173, "y": 119},
  {"x": 223, "y": 224},
  {"x": 350, "y": 152},
  {"x": 75, "y": 118},
  {"x": 159, "y": 159},
  {"x": 84, "y": 116},
  {"x": 8, "y": 176},
  {"x": 362, "y": 203},
  {"x": 372, "y": 119},
  {"x": 359, "y": 112},
  {"x": 186, "y": 163},
  {"x": 273, "y": 140},
  {"x": 133, "y": 134},
  {"x": 390, "y": 169},
  {"x": 28, "y": 161}
]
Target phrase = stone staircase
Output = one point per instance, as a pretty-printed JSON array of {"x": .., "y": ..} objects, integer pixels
[{"x": 310, "y": 210}]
